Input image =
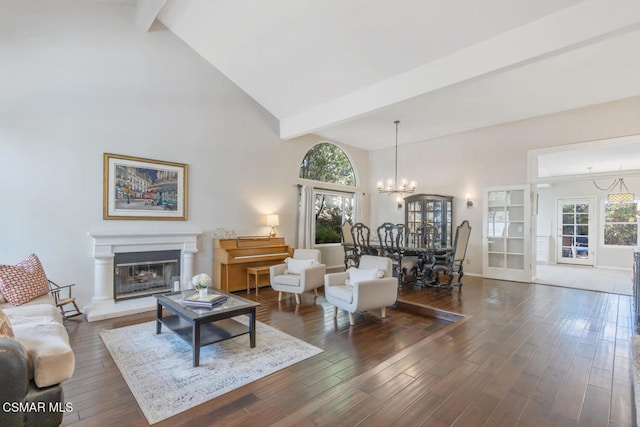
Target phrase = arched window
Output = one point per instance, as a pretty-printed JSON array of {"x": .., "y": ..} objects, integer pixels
[{"x": 327, "y": 162}]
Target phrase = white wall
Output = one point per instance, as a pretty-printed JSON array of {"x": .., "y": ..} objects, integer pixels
[
  {"x": 469, "y": 162},
  {"x": 78, "y": 79}
]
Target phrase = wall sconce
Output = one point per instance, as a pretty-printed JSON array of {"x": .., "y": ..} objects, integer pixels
[
  {"x": 469, "y": 202},
  {"x": 399, "y": 201},
  {"x": 273, "y": 221}
]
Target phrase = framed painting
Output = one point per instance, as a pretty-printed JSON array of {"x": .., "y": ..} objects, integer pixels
[{"x": 144, "y": 189}]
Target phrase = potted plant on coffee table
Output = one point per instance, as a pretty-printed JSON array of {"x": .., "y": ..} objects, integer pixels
[{"x": 201, "y": 282}]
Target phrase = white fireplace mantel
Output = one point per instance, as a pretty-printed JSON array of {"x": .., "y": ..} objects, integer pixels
[{"x": 106, "y": 245}]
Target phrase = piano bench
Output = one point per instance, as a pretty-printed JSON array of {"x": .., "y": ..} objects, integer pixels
[{"x": 256, "y": 272}]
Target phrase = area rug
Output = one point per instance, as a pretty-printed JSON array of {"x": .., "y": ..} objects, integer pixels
[{"x": 158, "y": 368}]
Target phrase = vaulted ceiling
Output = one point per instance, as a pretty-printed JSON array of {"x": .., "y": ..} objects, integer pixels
[{"x": 346, "y": 69}]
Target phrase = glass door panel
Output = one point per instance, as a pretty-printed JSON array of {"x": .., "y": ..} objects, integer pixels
[
  {"x": 575, "y": 243},
  {"x": 506, "y": 236},
  {"x": 496, "y": 245},
  {"x": 515, "y": 246},
  {"x": 496, "y": 261},
  {"x": 515, "y": 213},
  {"x": 515, "y": 262}
]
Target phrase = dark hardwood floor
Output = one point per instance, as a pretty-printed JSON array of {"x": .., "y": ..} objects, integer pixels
[{"x": 522, "y": 355}]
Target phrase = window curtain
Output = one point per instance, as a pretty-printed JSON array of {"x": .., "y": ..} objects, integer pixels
[
  {"x": 305, "y": 217},
  {"x": 358, "y": 207}
]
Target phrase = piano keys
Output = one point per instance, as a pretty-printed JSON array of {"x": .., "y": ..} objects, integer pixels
[{"x": 231, "y": 257}]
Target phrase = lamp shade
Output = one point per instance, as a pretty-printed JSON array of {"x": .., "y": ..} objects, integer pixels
[
  {"x": 273, "y": 220},
  {"x": 621, "y": 197}
]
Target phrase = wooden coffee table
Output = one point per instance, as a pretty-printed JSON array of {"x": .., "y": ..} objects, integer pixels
[{"x": 203, "y": 326}]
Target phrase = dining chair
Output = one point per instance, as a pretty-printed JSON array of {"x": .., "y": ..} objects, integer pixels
[
  {"x": 427, "y": 241},
  {"x": 427, "y": 236},
  {"x": 452, "y": 262},
  {"x": 361, "y": 235},
  {"x": 409, "y": 258},
  {"x": 392, "y": 242},
  {"x": 351, "y": 257}
]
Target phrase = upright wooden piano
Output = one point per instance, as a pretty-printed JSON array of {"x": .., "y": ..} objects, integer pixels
[{"x": 231, "y": 257}]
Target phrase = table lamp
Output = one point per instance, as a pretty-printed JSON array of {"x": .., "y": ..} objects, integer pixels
[{"x": 273, "y": 221}]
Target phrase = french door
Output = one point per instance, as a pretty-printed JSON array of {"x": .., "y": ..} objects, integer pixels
[
  {"x": 575, "y": 231},
  {"x": 506, "y": 252}
]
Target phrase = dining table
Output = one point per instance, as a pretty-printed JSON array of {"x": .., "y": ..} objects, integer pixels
[{"x": 424, "y": 257}]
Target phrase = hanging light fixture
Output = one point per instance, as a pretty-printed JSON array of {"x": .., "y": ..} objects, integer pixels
[
  {"x": 392, "y": 186},
  {"x": 620, "y": 196}
]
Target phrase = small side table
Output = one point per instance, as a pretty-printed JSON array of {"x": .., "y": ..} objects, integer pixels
[{"x": 256, "y": 272}]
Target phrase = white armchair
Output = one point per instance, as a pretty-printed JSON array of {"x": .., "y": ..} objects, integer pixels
[
  {"x": 299, "y": 274},
  {"x": 370, "y": 286}
]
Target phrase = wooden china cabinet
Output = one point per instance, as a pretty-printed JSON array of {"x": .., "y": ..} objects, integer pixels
[{"x": 431, "y": 209}]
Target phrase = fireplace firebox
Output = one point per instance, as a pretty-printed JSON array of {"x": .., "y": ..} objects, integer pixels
[{"x": 139, "y": 274}]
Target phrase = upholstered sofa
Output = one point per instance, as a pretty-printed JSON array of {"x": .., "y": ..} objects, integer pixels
[{"x": 33, "y": 363}]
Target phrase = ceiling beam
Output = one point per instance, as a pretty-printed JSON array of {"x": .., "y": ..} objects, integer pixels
[
  {"x": 587, "y": 22},
  {"x": 146, "y": 12}
]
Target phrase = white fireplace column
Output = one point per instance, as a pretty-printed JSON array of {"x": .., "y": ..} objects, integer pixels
[
  {"x": 186, "y": 271},
  {"x": 106, "y": 245},
  {"x": 102, "y": 275}
]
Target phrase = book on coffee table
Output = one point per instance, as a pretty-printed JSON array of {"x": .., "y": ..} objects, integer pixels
[{"x": 210, "y": 300}]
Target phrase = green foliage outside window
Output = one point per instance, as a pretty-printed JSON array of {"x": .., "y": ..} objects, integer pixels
[
  {"x": 332, "y": 210},
  {"x": 620, "y": 224},
  {"x": 328, "y": 163}
]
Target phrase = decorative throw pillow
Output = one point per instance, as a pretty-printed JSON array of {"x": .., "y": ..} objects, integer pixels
[
  {"x": 6, "y": 331},
  {"x": 295, "y": 266},
  {"x": 24, "y": 281},
  {"x": 2, "y": 300},
  {"x": 357, "y": 275}
]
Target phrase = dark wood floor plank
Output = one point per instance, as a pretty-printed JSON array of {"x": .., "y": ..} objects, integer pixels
[
  {"x": 536, "y": 413},
  {"x": 604, "y": 355},
  {"x": 525, "y": 384},
  {"x": 510, "y": 370},
  {"x": 508, "y": 411},
  {"x": 374, "y": 400},
  {"x": 456, "y": 402},
  {"x": 454, "y": 379},
  {"x": 477, "y": 413},
  {"x": 394, "y": 406},
  {"x": 518, "y": 354},
  {"x": 622, "y": 411},
  {"x": 418, "y": 411},
  {"x": 600, "y": 378},
  {"x": 573, "y": 390},
  {"x": 596, "y": 408}
]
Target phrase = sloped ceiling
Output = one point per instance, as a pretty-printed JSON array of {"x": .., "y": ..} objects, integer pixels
[{"x": 346, "y": 69}]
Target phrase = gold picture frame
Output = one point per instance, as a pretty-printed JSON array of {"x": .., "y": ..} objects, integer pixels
[{"x": 136, "y": 188}]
